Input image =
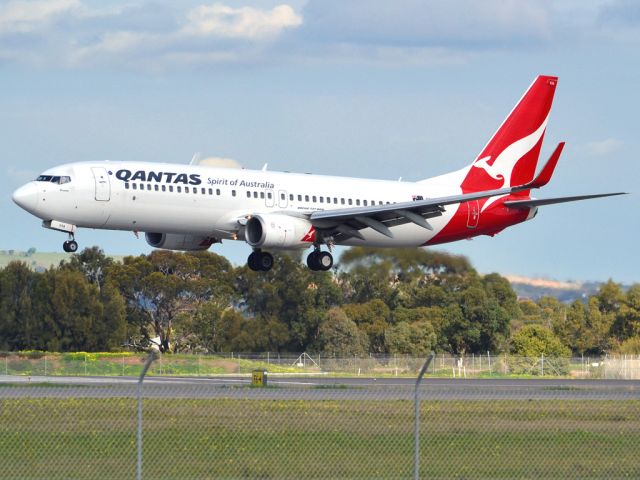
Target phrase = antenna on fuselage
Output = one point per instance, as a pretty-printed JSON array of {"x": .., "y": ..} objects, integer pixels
[
  {"x": 264, "y": 167},
  {"x": 195, "y": 159}
]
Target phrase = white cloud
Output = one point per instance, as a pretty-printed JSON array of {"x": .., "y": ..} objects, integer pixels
[
  {"x": 603, "y": 147},
  {"x": 240, "y": 23},
  {"x": 24, "y": 17},
  {"x": 209, "y": 34}
]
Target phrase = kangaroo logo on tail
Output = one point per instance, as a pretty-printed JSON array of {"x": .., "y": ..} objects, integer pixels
[{"x": 502, "y": 166}]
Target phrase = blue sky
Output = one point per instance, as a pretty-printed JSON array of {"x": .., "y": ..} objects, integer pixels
[{"x": 372, "y": 88}]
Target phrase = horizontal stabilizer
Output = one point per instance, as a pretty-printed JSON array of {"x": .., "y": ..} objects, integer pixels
[{"x": 549, "y": 201}]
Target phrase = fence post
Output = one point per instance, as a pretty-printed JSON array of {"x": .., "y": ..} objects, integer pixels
[
  {"x": 416, "y": 427},
  {"x": 152, "y": 356}
]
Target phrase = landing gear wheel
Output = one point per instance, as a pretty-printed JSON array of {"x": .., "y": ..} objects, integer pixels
[
  {"x": 252, "y": 261},
  {"x": 265, "y": 260},
  {"x": 319, "y": 261},
  {"x": 324, "y": 260},
  {"x": 260, "y": 261},
  {"x": 70, "y": 246},
  {"x": 312, "y": 261}
]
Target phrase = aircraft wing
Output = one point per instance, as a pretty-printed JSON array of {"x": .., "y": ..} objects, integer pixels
[{"x": 348, "y": 221}]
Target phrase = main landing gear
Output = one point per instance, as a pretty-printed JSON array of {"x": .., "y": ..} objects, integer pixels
[
  {"x": 260, "y": 261},
  {"x": 70, "y": 246},
  {"x": 319, "y": 260}
]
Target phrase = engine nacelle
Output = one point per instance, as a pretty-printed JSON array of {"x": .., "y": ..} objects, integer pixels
[
  {"x": 278, "y": 231},
  {"x": 179, "y": 241}
]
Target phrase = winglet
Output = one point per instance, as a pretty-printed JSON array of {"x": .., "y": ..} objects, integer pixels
[{"x": 547, "y": 171}]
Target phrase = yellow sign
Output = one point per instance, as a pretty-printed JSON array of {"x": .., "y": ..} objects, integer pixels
[{"x": 259, "y": 378}]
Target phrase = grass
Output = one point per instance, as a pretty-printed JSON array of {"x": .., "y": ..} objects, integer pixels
[
  {"x": 130, "y": 364},
  {"x": 257, "y": 438}
]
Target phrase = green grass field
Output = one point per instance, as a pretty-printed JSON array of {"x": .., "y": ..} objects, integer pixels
[{"x": 249, "y": 438}]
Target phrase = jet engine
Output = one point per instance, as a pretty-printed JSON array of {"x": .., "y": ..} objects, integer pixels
[
  {"x": 278, "y": 231},
  {"x": 178, "y": 241}
]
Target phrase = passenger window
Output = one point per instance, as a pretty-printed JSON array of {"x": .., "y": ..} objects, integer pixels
[
  {"x": 171, "y": 188},
  {"x": 335, "y": 200},
  {"x": 291, "y": 197},
  {"x": 164, "y": 188},
  {"x": 321, "y": 200},
  {"x": 350, "y": 202},
  {"x": 135, "y": 186},
  {"x": 217, "y": 191},
  {"x": 156, "y": 187},
  {"x": 315, "y": 199},
  {"x": 299, "y": 198},
  {"x": 233, "y": 193},
  {"x": 282, "y": 197},
  {"x": 269, "y": 195},
  {"x": 365, "y": 203},
  {"x": 262, "y": 195},
  {"x": 357, "y": 201},
  {"x": 211, "y": 191},
  {"x": 342, "y": 201},
  {"x": 149, "y": 186},
  {"x": 126, "y": 186},
  {"x": 255, "y": 194},
  {"x": 203, "y": 191},
  {"x": 248, "y": 194},
  {"x": 306, "y": 198}
]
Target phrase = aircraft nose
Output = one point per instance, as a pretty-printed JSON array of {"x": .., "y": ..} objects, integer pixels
[{"x": 26, "y": 197}]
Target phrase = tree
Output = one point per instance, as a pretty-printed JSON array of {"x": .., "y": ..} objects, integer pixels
[
  {"x": 290, "y": 295},
  {"x": 627, "y": 322},
  {"x": 536, "y": 340},
  {"x": 417, "y": 338},
  {"x": 532, "y": 345},
  {"x": 338, "y": 336},
  {"x": 92, "y": 263},
  {"x": 159, "y": 286},
  {"x": 373, "y": 319}
]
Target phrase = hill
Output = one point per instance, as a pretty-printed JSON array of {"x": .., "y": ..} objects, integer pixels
[{"x": 38, "y": 261}]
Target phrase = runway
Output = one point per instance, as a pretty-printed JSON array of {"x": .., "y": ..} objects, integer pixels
[{"x": 321, "y": 388}]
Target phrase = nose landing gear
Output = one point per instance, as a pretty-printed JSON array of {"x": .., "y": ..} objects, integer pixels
[{"x": 70, "y": 246}]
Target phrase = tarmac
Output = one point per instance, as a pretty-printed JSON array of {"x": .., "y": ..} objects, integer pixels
[{"x": 282, "y": 387}]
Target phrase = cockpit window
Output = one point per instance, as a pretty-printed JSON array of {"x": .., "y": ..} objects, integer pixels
[{"x": 54, "y": 179}]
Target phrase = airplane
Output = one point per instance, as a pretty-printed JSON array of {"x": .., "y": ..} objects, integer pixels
[{"x": 191, "y": 207}]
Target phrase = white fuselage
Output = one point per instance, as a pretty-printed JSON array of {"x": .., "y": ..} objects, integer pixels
[{"x": 201, "y": 200}]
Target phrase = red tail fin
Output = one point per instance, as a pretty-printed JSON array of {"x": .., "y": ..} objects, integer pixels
[{"x": 510, "y": 157}]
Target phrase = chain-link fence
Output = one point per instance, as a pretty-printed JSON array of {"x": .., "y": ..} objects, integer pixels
[
  {"x": 318, "y": 427},
  {"x": 469, "y": 366}
]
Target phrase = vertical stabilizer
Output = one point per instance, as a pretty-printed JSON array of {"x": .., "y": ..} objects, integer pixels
[{"x": 510, "y": 157}]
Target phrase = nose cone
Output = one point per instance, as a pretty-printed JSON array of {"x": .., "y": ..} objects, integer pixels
[{"x": 27, "y": 197}]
